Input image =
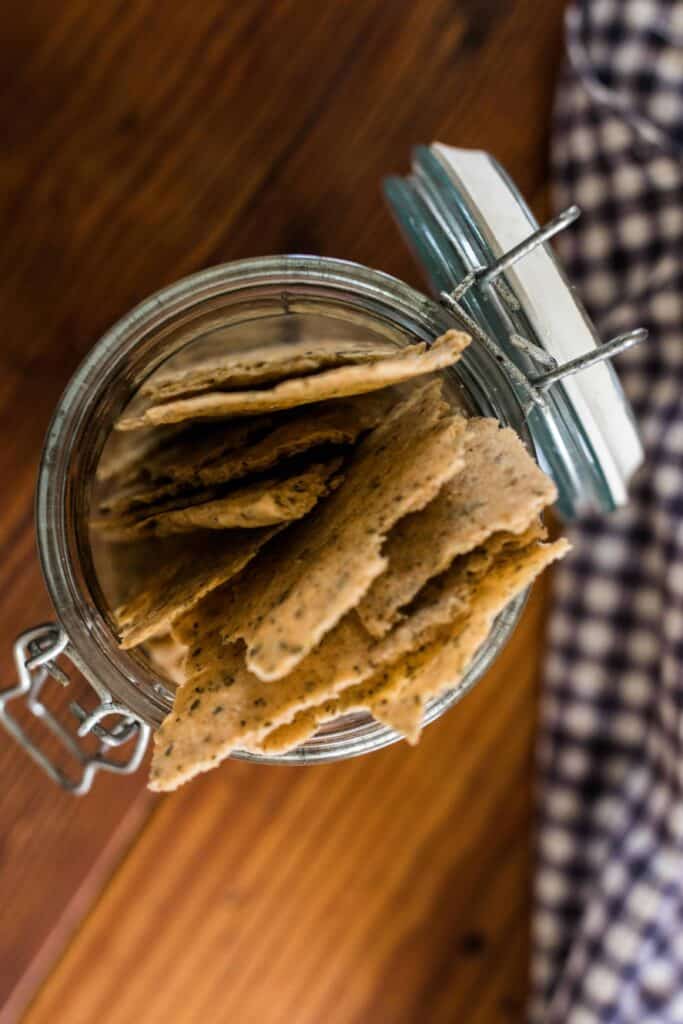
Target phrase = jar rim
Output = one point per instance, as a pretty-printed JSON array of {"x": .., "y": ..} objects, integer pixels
[{"x": 92, "y": 645}]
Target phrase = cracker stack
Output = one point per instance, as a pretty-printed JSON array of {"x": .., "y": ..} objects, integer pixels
[{"x": 316, "y": 531}]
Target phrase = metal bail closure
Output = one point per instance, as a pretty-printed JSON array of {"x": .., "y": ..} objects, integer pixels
[
  {"x": 612, "y": 348},
  {"x": 533, "y": 384},
  {"x": 486, "y": 275},
  {"x": 532, "y": 395},
  {"x": 35, "y": 654}
]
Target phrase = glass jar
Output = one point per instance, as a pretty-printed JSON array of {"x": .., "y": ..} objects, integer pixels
[{"x": 509, "y": 371}]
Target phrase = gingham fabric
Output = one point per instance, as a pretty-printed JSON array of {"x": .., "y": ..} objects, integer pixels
[{"x": 608, "y": 915}]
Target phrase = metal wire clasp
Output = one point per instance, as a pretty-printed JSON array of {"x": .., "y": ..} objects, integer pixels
[
  {"x": 534, "y": 385},
  {"x": 35, "y": 654}
]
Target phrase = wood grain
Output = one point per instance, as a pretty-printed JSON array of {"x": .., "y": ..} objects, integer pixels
[{"x": 144, "y": 141}]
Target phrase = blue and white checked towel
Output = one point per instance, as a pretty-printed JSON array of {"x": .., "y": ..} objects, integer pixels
[{"x": 608, "y": 918}]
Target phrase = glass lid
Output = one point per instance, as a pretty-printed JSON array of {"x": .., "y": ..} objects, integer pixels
[{"x": 486, "y": 257}]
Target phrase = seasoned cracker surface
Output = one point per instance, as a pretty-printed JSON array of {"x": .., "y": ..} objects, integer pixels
[
  {"x": 216, "y": 454},
  {"x": 265, "y": 364},
  {"x": 409, "y": 362},
  {"x": 441, "y": 664},
  {"x": 499, "y": 488},
  {"x": 440, "y": 606},
  {"x": 262, "y": 503},
  {"x": 204, "y": 563},
  {"x": 285, "y": 737},
  {"x": 252, "y": 710},
  {"x": 396, "y": 694},
  {"x": 326, "y": 563},
  {"x": 227, "y": 706},
  {"x": 225, "y": 703}
]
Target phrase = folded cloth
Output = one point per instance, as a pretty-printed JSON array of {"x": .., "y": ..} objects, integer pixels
[{"x": 608, "y": 910}]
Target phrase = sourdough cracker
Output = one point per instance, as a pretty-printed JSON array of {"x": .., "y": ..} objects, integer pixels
[
  {"x": 333, "y": 423},
  {"x": 409, "y": 362},
  {"x": 198, "y": 566},
  {"x": 284, "y": 607},
  {"x": 375, "y": 601},
  {"x": 215, "y": 459},
  {"x": 264, "y": 503},
  {"x": 225, "y": 703},
  {"x": 439, "y": 605},
  {"x": 440, "y": 666},
  {"x": 331, "y": 675},
  {"x": 450, "y": 594},
  {"x": 175, "y": 466},
  {"x": 261, "y": 504},
  {"x": 397, "y": 693},
  {"x": 138, "y": 526},
  {"x": 262, "y": 365},
  {"x": 223, "y": 706},
  {"x": 348, "y": 644},
  {"x": 252, "y": 707},
  {"x": 499, "y": 488}
]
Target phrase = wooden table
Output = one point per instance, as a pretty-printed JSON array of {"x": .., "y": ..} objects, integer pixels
[{"x": 144, "y": 141}]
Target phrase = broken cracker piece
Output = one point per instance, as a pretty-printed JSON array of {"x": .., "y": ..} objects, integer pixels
[
  {"x": 396, "y": 694},
  {"x": 250, "y": 710},
  {"x": 439, "y": 667},
  {"x": 202, "y": 563},
  {"x": 284, "y": 607},
  {"x": 409, "y": 362},
  {"x": 436, "y": 610},
  {"x": 175, "y": 465},
  {"x": 263, "y": 503},
  {"x": 262, "y": 365},
  {"x": 499, "y": 488},
  {"x": 286, "y": 737},
  {"x": 214, "y": 457},
  {"x": 225, "y": 703}
]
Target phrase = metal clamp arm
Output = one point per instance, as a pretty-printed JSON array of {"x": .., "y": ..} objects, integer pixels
[{"x": 35, "y": 654}]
